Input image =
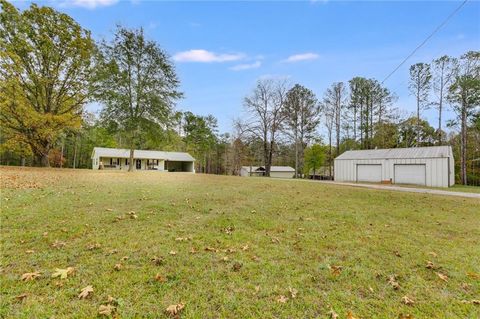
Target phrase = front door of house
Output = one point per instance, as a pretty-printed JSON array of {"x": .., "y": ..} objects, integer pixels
[{"x": 138, "y": 164}]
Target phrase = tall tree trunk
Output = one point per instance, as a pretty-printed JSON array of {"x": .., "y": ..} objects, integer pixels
[
  {"x": 440, "y": 106},
  {"x": 61, "y": 156},
  {"x": 330, "y": 154},
  {"x": 418, "y": 117},
  {"x": 44, "y": 160},
  {"x": 74, "y": 152},
  {"x": 130, "y": 164},
  {"x": 296, "y": 154},
  {"x": 463, "y": 148}
]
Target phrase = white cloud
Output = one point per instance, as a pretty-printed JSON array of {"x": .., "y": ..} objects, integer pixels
[
  {"x": 90, "y": 4},
  {"x": 247, "y": 66},
  {"x": 302, "y": 57},
  {"x": 204, "y": 56}
]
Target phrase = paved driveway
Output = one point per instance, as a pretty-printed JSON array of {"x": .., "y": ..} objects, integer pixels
[{"x": 407, "y": 189}]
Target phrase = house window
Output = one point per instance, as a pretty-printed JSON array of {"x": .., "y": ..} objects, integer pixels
[
  {"x": 126, "y": 161},
  {"x": 111, "y": 161}
]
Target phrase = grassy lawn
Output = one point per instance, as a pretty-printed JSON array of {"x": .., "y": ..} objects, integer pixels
[
  {"x": 464, "y": 188},
  {"x": 231, "y": 247}
]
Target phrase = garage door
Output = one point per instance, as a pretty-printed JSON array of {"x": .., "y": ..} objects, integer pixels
[
  {"x": 369, "y": 173},
  {"x": 410, "y": 174}
]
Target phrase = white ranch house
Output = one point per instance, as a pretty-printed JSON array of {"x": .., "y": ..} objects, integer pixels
[
  {"x": 427, "y": 166},
  {"x": 275, "y": 171},
  {"x": 118, "y": 159}
]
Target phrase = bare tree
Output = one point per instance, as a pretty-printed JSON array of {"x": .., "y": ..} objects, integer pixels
[
  {"x": 443, "y": 75},
  {"x": 335, "y": 100},
  {"x": 420, "y": 83},
  {"x": 329, "y": 114},
  {"x": 265, "y": 109},
  {"x": 302, "y": 116}
]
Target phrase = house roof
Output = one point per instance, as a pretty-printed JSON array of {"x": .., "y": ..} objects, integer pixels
[
  {"x": 413, "y": 152},
  {"x": 142, "y": 154},
  {"x": 272, "y": 168}
]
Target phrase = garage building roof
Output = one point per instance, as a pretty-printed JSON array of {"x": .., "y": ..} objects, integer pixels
[{"x": 413, "y": 152}]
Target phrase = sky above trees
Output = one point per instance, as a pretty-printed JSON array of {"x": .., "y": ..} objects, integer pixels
[{"x": 221, "y": 49}]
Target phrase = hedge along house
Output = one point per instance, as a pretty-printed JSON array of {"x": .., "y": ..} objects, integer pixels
[
  {"x": 275, "y": 171},
  {"x": 118, "y": 159},
  {"x": 427, "y": 166}
]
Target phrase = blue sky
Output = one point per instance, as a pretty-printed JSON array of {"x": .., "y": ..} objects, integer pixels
[{"x": 221, "y": 48}]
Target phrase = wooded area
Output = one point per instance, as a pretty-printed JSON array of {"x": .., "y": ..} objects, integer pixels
[{"x": 50, "y": 68}]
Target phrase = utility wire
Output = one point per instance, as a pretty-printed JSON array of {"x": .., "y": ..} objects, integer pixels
[{"x": 426, "y": 39}]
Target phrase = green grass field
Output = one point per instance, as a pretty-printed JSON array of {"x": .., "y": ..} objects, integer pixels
[{"x": 231, "y": 247}]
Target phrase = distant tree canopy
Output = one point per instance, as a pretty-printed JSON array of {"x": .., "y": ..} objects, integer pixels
[{"x": 45, "y": 67}]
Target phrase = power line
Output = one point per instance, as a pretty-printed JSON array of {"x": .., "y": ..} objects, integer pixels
[{"x": 426, "y": 39}]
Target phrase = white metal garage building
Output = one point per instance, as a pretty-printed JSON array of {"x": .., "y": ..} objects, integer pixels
[{"x": 427, "y": 166}]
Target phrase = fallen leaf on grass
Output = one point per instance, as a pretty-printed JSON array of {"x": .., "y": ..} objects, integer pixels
[
  {"x": 28, "y": 276},
  {"x": 433, "y": 254},
  {"x": 30, "y": 251},
  {"x": 118, "y": 267},
  {"x": 172, "y": 252},
  {"x": 124, "y": 258},
  {"x": 430, "y": 265},
  {"x": 407, "y": 300},
  {"x": 109, "y": 210},
  {"x": 158, "y": 261},
  {"x": 174, "y": 310},
  {"x": 293, "y": 292},
  {"x": 407, "y": 316},
  {"x": 332, "y": 314},
  {"x": 392, "y": 280},
  {"x": 336, "y": 270},
  {"x": 58, "y": 244},
  {"x": 225, "y": 259},
  {"x": 229, "y": 230},
  {"x": 442, "y": 276},
  {"x": 63, "y": 273},
  {"x": 245, "y": 247},
  {"x": 465, "y": 286},
  {"x": 94, "y": 246},
  {"x": 21, "y": 297},
  {"x": 211, "y": 249},
  {"x": 275, "y": 240},
  {"x": 282, "y": 299},
  {"x": 85, "y": 292},
  {"x": 193, "y": 250},
  {"x": 475, "y": 302},
  {"x": 473, "y": 275},
  {"x": 160, "y": 278},
  {"x": 183, "y": 238},
  {"x": 350, "y": 315},
  {"x": 236, "y": 266},
  {"x": 106, "y": 310}
]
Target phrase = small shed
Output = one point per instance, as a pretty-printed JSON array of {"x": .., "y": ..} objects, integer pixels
[
  {"x": 275, "y": 171},
  {"x": 427, "y": 166}
]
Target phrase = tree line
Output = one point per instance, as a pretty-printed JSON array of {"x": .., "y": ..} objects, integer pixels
[{"x": 50, "y": 68}]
